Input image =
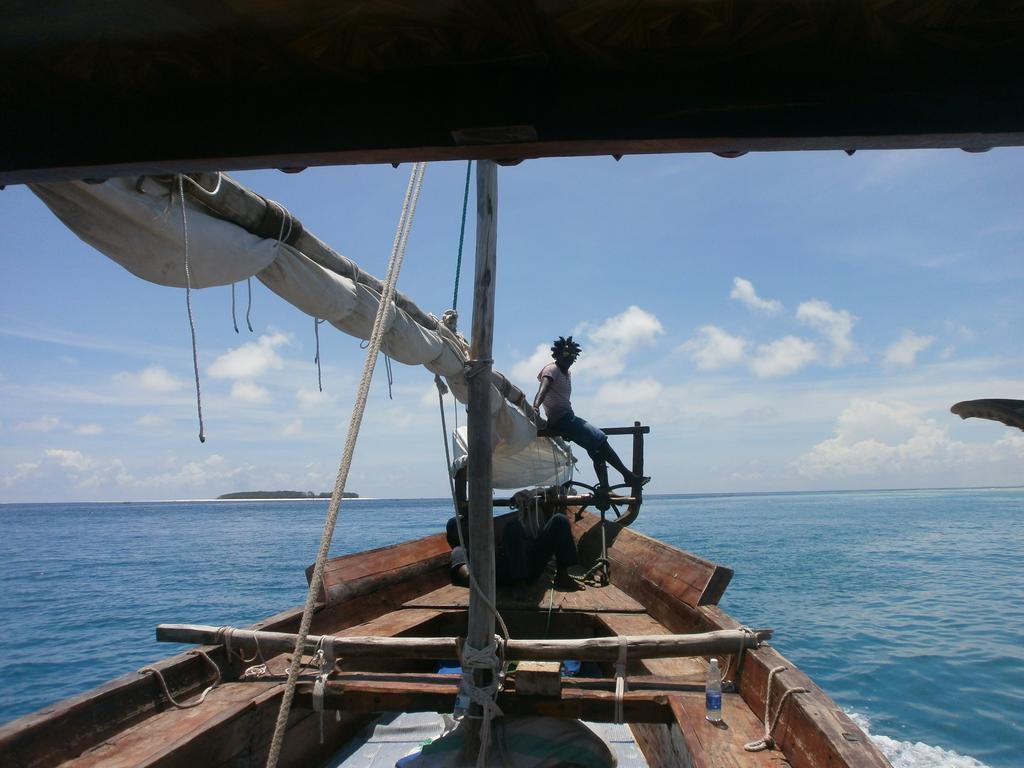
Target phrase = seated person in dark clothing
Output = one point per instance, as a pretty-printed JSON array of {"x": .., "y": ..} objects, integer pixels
[{"x": 520, "y": 558}]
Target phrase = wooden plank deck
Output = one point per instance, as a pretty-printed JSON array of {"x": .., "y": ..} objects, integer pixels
[{"x": 537, "y": 596}]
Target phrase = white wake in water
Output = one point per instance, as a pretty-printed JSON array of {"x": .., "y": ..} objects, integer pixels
[{"x": 914, "y": 754}]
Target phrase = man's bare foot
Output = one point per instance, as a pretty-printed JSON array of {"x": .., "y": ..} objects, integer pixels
[{"x": 563, "y": 582}]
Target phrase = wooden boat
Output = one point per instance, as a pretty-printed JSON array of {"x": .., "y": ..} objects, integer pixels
[
  {"x": 404, "y": 591},
  {"x": 498, "y": 81}
]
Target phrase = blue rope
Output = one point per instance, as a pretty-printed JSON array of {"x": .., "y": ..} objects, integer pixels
[{"x": 462, "y": 235}]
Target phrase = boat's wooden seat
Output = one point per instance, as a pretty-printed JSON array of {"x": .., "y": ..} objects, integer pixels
[
  {"x": 536, "y": 596},
  {"x": 689, "y": 670}
]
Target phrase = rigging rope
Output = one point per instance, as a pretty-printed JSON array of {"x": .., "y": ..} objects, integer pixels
[
  {"x": 234, "y": 319},
  {"x": 766, "y": 741},
  {"x": 188, "y": 306},
  {"x": 248, "y": 307},
  {"x": 316, "y": 333},
  {"x": 462, "y": 236},
  {"x": 202, "y": 697},
  {"x": 376, "y": 338}
]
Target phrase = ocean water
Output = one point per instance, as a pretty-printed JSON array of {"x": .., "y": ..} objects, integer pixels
[{"x": 907, "y": 607}]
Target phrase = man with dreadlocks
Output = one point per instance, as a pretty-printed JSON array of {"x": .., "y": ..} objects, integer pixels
[{"x": 554, "y": 394}]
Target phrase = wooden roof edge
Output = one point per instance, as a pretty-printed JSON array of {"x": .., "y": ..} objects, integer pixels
[{"x": 513, "y": 153}]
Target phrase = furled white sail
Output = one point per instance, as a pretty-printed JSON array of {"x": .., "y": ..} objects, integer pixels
[
  {"x": 542, "y": 462},
  {"x": 137, "y": 222}
]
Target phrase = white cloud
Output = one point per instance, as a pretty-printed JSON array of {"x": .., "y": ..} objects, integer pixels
[
  {"x": 204, "y": 476},
  {"x": 634, "y": 327},
  {"x": 150, "y": 420},
  {"x": 42, "y": 424},
  {"x": 89, "y": 429},
  {"x": 835, "y": 324},
  {"x": 628, "y": 392},
  {"x": 247, "y": 392},
  {"x": 783, "y": 357},
  {"x": 292, "y": 428},
  {"x": 605, "y": 346},
  {"x": 713, "y": 348},
  {"x": 23, "y": 471},
  {"x": 743, "y": 292},
  {"x": 904, "y": 351},
  {"x": 893, "y": 442},
  {"x": 612, "y": 341},
  {"x": 155, "y": 378},
  {"x": 73, "y": 460},
  {"x": 526, "y": 370},
  {"x": 250, "y": 360},
  {"x": 311, "y": 399}
]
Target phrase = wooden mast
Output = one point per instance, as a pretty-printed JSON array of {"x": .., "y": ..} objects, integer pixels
[{"x": 481, "y": 521}]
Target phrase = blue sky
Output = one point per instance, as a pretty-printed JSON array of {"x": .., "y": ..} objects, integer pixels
[{"x": 782, "y": 321}]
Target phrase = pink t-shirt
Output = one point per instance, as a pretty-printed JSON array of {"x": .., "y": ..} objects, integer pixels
[{"x": 556, "y": 401}]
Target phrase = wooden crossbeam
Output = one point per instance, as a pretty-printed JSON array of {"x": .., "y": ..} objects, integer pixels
[
  {"x": 587, "y": 649},
  {"x": 585, "y": 699}
]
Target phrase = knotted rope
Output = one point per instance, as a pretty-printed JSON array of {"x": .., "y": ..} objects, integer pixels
[
  {"x": 767, "y": 742},
  {"x": 620, "y": 679},
  {"x": 163, "y": 683},
  {"x": 486, "y": 696},
  {"x": 376, "y": 339}
]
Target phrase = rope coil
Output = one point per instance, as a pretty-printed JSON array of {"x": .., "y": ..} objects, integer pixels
[{"x": 767, "y": 742}]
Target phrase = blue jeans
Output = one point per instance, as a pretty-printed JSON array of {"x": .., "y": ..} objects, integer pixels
[{"x": 583, "y": 433}]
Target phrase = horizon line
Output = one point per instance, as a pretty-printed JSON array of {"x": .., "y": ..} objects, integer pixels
[{"x": 709, "y": 494}]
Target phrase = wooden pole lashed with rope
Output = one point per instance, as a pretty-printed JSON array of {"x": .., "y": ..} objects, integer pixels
[{"x": 480, "y": 470}]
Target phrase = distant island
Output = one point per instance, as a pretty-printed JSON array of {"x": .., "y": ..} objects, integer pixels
[{"x": 284, "y": 495}]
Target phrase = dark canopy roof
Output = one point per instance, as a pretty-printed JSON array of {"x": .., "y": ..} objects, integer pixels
[{"x": 117, "y": 86}]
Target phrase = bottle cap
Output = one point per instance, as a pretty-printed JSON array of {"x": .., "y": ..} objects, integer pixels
[{"x": 714, "y": 662}]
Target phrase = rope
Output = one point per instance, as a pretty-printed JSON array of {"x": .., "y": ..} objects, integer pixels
[
  {"x": 441, "y": 390},
  {"x": 391, "y": 375},
  {"x": 163, "y": 683},
  {"x": 462, "y": 236},
  {"x": 486, "y": 658},
  {"x": 376, "y": 338},
  {"x": 188, "y": 306},
  {"x": 620, "y": 679},
  {"x": 767, "y": 742},
  {"x": 248, "y": 307},
  {"x": 234, "y": 319},
  {"x": 738, "y": 658},
  {"x": 316, "y": 333},
  {"x": 491, "y": 658}
]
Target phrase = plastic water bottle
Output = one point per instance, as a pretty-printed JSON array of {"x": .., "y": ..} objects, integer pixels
[{"x": 713, "y": 693}]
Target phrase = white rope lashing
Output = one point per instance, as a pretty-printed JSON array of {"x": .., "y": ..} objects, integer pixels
[
  {"x": 620, "y": 679},
  {"x": 488, "y": 658},
  {"x": 376, "y": 338},
  {"x": 188, "y": 304},
  {"x": 767, "y": 742},
  {"x": 202, "y": 697}
]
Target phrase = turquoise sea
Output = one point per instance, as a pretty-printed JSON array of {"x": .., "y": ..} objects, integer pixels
[{"x": 906, "y": 606}]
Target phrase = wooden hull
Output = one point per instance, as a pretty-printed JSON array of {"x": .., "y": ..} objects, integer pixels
[{"x": 404, "y": 590}]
